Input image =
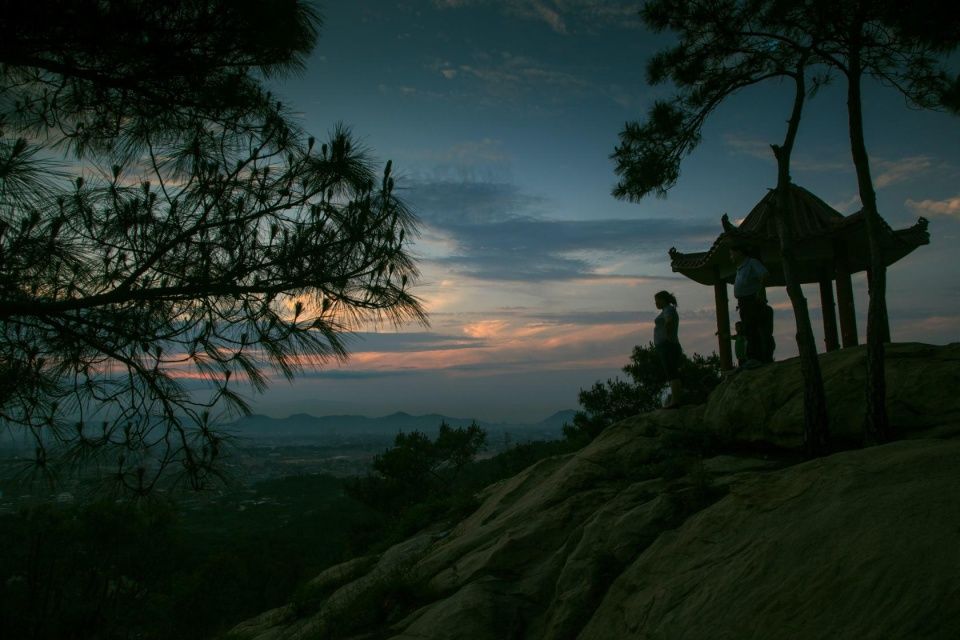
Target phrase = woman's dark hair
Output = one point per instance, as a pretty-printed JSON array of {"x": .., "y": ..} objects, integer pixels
[{"x": 666, "y": 295}]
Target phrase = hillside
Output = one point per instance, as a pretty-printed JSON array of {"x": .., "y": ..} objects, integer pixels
[{"x": 697, "y": 523}]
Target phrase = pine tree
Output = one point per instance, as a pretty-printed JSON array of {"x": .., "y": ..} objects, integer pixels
[{"x": 163, "y": 220}]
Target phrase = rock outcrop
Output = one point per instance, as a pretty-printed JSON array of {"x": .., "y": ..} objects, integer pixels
[
  {"x": 692, "y": 524},
  {"x": 766, "y": 405}
]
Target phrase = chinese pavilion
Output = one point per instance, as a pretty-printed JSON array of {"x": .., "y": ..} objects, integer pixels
[{"x": 829, "y": 247}]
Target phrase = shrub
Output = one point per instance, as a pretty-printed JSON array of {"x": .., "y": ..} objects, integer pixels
[{"x": 607, "y": 403}]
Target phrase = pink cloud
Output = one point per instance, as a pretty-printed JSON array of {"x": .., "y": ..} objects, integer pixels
[
  {"x": 948, "y": 207},
  {"x": 485, "y": 329},
  {"x": 518, "y": 345}
]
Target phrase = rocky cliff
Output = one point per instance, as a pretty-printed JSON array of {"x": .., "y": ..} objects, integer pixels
[{"x": 696, "y": 523}]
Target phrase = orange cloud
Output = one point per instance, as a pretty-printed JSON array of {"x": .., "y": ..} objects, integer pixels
[
  {"x": 516, "y": 345},
  {"x": 485, "y": 329}
]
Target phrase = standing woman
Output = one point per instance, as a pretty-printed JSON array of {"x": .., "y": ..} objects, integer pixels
[{"x": 667, "y": 343}]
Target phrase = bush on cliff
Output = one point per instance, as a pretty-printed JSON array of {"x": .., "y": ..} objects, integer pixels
[{"x": 607, "y": 403}]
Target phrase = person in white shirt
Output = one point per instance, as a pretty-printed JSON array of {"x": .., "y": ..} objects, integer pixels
[{"x": 667, "y": 343}]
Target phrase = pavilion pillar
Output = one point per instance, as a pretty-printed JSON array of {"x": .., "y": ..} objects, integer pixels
[
  {"x": 723, "y": 322},
  {"x": 828, "y": 308},
  {"x": 848, "y": 315}
]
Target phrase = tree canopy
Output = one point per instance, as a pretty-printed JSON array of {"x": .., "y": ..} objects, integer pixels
[
  {"x": 163, "y": 220},
  {"x": 417, "y": 469},
  {"x": 728, "y": 45}
]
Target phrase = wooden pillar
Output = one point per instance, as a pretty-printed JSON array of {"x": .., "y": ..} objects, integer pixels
[
  {"x": 723, "y": 322},
  {"x": 828, "y": 307},
  {"x": 848, "y": 315}
]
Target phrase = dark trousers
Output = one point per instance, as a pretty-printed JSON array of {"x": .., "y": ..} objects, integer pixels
[
  {"x": 766, "y": 332},
  {"x": 751, "y": 310}
]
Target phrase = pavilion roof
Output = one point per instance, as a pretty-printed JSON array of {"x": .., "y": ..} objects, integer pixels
[{"x": 823, "y": 238}]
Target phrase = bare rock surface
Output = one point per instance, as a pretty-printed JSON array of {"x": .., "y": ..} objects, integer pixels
[
  {"x": 655, "y": 530},
  {"x": 765, "y": 405},
  {"x": 862, "y": 544}
]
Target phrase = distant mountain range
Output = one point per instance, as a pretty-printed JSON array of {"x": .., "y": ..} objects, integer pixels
[{"x": 303, "y": 425}]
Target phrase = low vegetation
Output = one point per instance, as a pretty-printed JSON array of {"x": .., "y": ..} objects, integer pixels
[
  {"x": 110, "y": 570},
  {"x": 154, "y": 569},
  {"x": 607, "y": 403}
]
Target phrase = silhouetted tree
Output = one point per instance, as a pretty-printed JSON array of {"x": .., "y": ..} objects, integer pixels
[
  {"x": 161, "y": 218},
  {"x": 726, "y": 46},
  {"x": 903, "y": 46},
  {"x": 120, "y": 75},
  {"x": 606, "y": 403},
  {"x": 416, "y": 467}
]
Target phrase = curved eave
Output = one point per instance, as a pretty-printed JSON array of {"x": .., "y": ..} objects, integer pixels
[
  {"x": 697, "y": 267},
  {"x": 817, "y": 258}
]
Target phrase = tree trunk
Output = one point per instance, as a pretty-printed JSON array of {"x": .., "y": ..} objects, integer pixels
[
  {"x": 815, "y": 417},
  {"x": 877, "y": 428}
]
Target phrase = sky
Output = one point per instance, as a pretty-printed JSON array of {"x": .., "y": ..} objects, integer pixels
[{"x": 500, "y": 117}]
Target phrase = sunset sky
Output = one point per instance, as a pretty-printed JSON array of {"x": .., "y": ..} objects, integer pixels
[{"x": 500, "y": 116}]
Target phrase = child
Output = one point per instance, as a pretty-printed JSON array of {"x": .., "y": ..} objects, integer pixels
[{"x": 739, "y": 343}]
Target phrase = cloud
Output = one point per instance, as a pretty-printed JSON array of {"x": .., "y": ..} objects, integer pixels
[
  {"x": 550, "y": 16},
  {"x": 406, "y": 342},
  {"x": 819, "y": 165},
  {"x": 749, "y": 146},
  {"x": 514, "y": 344},
  {"x": 504, "y": 77},
  {"x": 589, "y": 318},
  {"x": 352, "y": 374},
  {"x": 940, "y": 325},
  {"x": 496, "y": 232},
  {"x": 564, "y": 17},
  {"x": 892, "y": 172},
  {"x": 449, "y": 203},
  {"x": 486, "y": 329},
  {"x": 887, "y": 172},
  {"x": 850, "y": 205},
  {"x": 948, "y": 207},
  {"x": 501, "y": 78},
  {"x": 759, "y": 148},
  {"x": 483, "y": 160}
]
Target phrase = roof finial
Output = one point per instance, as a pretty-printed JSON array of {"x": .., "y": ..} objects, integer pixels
[{"x": 725, "y": 221}]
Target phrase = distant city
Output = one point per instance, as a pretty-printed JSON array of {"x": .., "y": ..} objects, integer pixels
[
  {"x": 264, "y": 448},
  {"x": 346, "y": 429}
]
